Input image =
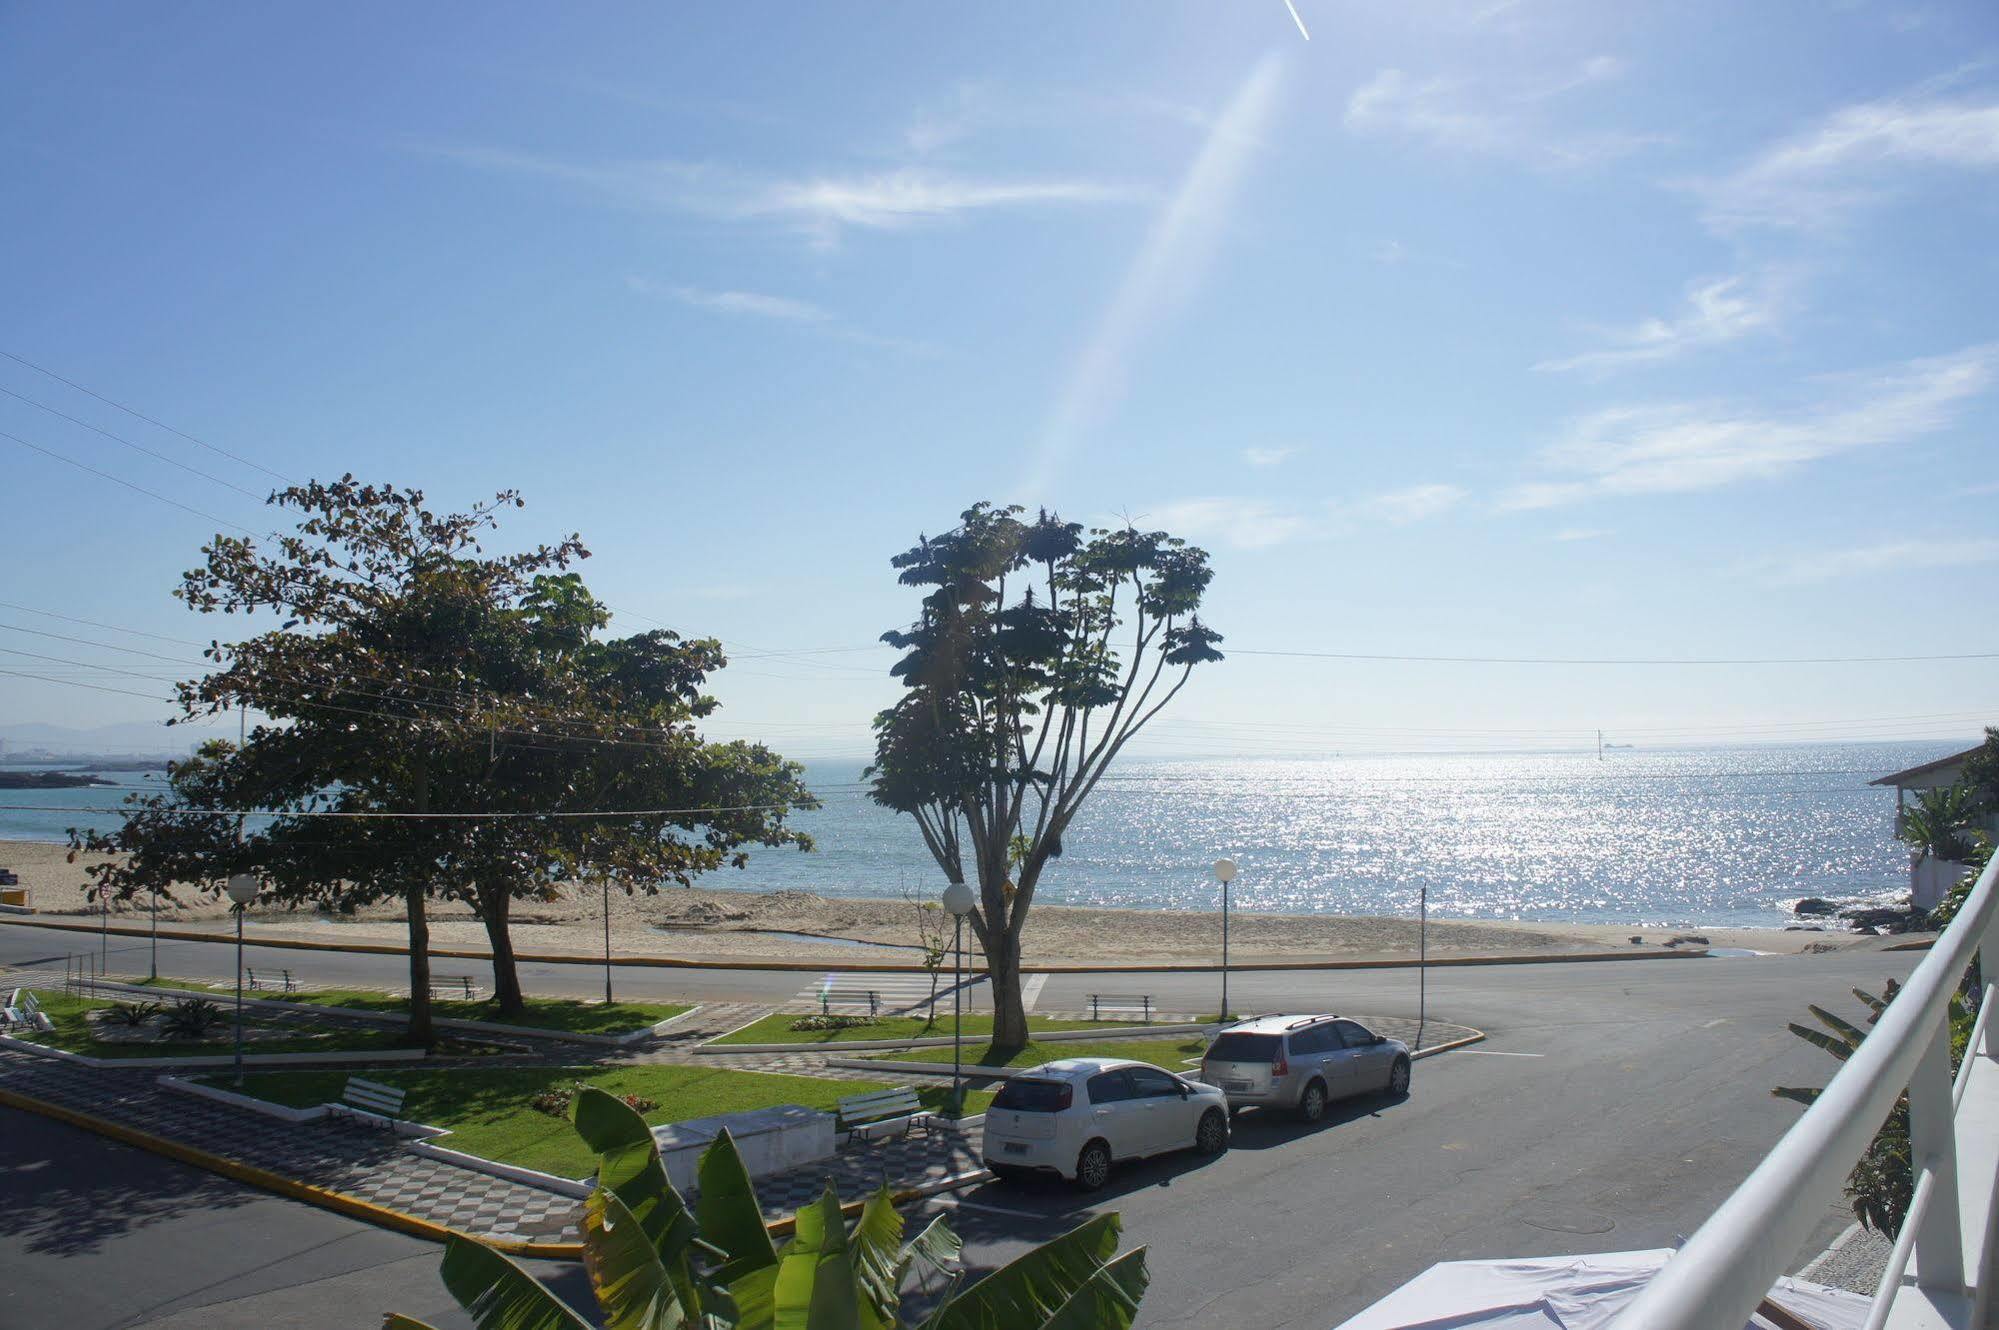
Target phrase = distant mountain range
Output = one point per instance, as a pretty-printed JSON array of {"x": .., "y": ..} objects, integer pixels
[{"x": 132, "y": 736}]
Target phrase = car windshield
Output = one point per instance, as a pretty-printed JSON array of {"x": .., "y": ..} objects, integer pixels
[
  {"x": 1026, "y": 1096},
  {"x": 1243, "y": 1048}
]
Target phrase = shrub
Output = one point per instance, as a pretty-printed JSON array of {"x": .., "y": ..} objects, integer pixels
[
  {"x": 833, "y": 1021},
  {"x": 132, "y": 1015},
  {"x": 555, "y": 1100},
  {"x": 193, "y": 1018}
]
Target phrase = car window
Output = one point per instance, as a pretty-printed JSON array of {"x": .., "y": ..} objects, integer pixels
[
  {"x": 1243, "y": 1048},
  {"x": 1109, "y": 1087},
  {"x": 1356, "y": 1036},
  {"x": 1023, "y": 1095},
  {"x": 1317, "y": 1039},
  {"x": 1151, "y": 1083}
]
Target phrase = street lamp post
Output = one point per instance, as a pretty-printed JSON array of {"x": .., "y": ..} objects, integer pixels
[
  {"x": 155, "y": 965},
  {"x": 1225, "y": 871},
  {"x": 607, "y": 941},
  {"x": 958, "y": 900},
  {"x": 242, "y": 890}
]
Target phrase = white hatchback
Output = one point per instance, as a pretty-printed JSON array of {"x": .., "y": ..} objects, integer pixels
[{"x": 1076, "y": 1117}]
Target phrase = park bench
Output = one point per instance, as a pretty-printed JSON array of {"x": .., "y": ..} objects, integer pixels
[
  {"x": 285, "y": 983},
  {"x": 372, "y": 1098},
  {"x": 893, "y": 1111},
  {"x": 462, "y": 983},
  {"x": 1120, "y": 1002},
  {"x": 850, "y": 997},
  {"x": 24, "y": 1010}
]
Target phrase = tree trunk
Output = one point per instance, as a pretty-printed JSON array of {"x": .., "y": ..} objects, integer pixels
[
  {"x": 420, "y": 1029},
  {"x": 495, "y": 901},
  {"x": 1003, "y": 971}
]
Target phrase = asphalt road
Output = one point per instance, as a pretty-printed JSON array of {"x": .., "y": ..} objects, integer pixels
[{"x": 1613, "y": 1107}]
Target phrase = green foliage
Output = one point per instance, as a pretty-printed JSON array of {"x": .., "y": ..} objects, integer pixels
[
  {"x": 832, "y": 1021},
  {"x": 193, "y": 1018},
  {"x": 1037, "y": 653},
  {"x": 1882, "y": 1183},
  {"x": 556, "y": 1099},
  {"x": 131, "y": 1015},
  {"x": 1939, "y": 823},
  {"x": 653, "y": 1265}
]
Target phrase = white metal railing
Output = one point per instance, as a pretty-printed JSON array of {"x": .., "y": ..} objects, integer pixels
[{"x": 1940, "y": 1274}]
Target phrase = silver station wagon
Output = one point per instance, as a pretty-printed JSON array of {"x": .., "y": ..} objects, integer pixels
[{"x": 1303, "y": 1062}]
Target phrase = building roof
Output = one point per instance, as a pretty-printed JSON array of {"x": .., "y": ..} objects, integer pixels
[{"x": 1926, "y": 769}]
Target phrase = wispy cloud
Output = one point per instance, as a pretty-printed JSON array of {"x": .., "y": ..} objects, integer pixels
[
  {"x": 1682, "y": 447},
  {"x": 1417, "y": 503},
  {"x": 1169, "y": 264},
  {"x": 756, "y": 305},
  {"x": 1891, "y": 557},
  {"x": 1717, "y": 310},
  {"x": 1573, "y": 533},
  {"x": 819, "y": 206},
  {"x": 1262, "y": 457},
  {"x": 1465, "y": 117},
  {"x": 1249, "y": 524},
  {"x": 1854, "y": 156},
  {"x": 751, "y": 304}
]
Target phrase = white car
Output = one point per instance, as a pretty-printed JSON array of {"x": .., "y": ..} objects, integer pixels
[{"x": 1078, "y": 1116}]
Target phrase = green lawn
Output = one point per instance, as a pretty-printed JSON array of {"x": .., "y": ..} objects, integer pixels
[
  {"x": 777, "y": 1030},
  {"x": 488, "y": 1114},
  {"x": 1170, "y": 1052},
  {"x": 73, "y": 1034},
  {"x": 563, "y": 1014}
]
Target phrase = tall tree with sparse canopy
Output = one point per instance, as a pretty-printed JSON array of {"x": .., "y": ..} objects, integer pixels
[
  {"x": 442, "y": 723},
  {"x": 1038, "y": 653}
]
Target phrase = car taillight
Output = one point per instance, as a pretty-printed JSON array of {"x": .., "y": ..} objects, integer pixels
[
  {"x": 1279, "y": 1067},
  {"x": 1066, "y": 1098}
]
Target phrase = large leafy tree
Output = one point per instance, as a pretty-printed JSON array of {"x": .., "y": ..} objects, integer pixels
[
  {"x": 1037, "y": 654},
  {"x": 440, "y": 722}
]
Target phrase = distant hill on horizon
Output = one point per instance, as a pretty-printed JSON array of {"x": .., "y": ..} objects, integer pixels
[{"x": 131, "y": 736}]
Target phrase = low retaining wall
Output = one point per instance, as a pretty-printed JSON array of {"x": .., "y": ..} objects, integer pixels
[
  {"x": 875, "y": 1045},
  {"x": 345, "y": 1057}
]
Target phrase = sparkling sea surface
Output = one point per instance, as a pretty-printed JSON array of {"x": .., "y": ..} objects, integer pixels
[{"x": 1685, "y": 836}]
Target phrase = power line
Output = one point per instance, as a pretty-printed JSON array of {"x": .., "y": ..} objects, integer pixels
[
  {"x": 21, "y": 360},
  {"x": 93, "y": 623},
  {"x": 1625, "y": 660},
  {"x": 136, "y": 447},
  {"x": 120, "y": 480}
]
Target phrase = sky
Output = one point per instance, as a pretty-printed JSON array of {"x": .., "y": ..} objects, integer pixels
[{"x": 1462, "y": 328}]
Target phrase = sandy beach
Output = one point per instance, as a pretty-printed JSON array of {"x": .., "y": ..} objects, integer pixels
[{"x": 800, "y": 926}]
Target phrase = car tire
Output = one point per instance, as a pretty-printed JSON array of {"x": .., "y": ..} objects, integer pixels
[
  {"x": 1398, "y": 1078},
  {"x": 1211, "y": 1137},
  {"x": 1093, "y": 1166},
  {"x": 1312, "y": 1104}
]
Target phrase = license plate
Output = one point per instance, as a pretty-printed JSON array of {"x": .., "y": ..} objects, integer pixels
[
  {"x": 1016, "y": 1147},
  {"x": 1235, "y": 1085}
]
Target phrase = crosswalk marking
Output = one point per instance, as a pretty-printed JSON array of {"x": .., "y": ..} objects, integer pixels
[
  {"x": 897, "y": 993},
  {"x": 1030, "y": 992}
]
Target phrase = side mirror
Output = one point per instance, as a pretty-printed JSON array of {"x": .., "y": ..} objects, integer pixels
[
  {"x": 1379, "y": 1039},
  {"x": 1184, "y": 1088}
]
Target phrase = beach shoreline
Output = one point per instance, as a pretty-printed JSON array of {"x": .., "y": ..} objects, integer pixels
[{"x": 794, "y": 926}]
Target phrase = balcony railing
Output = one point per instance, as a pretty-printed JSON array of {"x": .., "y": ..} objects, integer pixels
[{"x": 1942, "y": 1269}]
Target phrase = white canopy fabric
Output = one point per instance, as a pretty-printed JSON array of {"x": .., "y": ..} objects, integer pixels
[{"x": 1568, "y": 1293}]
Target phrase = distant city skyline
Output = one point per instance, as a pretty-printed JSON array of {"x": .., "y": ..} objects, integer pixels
[{"x": 1468, "y": 334}]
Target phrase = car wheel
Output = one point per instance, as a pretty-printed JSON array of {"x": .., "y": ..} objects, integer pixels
[
  {"x": 1312, "y": 1105},
  {"x": 1093, "y": 1166},
  {"x": 1212, "y": 1136},
  {"x": 1398, "y": 1077}
]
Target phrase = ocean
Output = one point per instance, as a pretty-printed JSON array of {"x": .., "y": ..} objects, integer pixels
[{"x": 1663, "y": 837}]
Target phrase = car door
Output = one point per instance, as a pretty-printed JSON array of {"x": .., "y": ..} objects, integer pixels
[
  {"x": 1319, "y": 1051},
  {"x": 1116, "y": 1113},
  {"x": 1168, "y": 1114},
  {"x": 1368, "y": 1056}
]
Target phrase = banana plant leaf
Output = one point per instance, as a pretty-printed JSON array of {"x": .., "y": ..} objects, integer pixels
[
  {"x": 877, "y": 1251},
  {"x": 1874, "y": 1004},
  {"x": 937, "y": 1246},
  {"x": 1033, "y": 1287},
  {"x": 1837, "y": 1047},
  {"x": 1806, "y": 1095},
  {"x": 1109, "y": 1300},
  {"x": 1846, "y": 1029},
  {"x": 498, "y": 1294},
  {"x": 397, "y": 1321},
  {"x": 815, "y": 1288},
  {"x": 628, "y": 1165},
  {"x": 636, "y": 1290},
  {"x": 730, "y": 1217}
]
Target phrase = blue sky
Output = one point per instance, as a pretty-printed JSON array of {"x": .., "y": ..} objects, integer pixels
[{"x": 1465, "y": 328}]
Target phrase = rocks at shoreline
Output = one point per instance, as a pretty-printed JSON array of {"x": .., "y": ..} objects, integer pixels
[{"x": 47, "y": 780}]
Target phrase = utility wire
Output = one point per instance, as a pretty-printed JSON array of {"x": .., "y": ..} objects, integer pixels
[
  {"x": 136, "y": 447},
  {"x": 120, "y": 480},
  {"x": 224, "y": 452}
]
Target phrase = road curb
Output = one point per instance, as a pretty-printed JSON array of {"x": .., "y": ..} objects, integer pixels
[
  {"x": 871, "y": 967},
  {"x": 1475, "y": 1037}
]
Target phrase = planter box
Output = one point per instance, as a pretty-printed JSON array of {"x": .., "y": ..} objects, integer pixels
[{"x": 770, "y": 1140}]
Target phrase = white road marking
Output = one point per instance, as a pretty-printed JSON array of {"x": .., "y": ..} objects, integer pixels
[
  {"x": 1030, "y": 992},
  {"x": 1719, "y": 1020},
  {"x": 1496, "y": 1053}
]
